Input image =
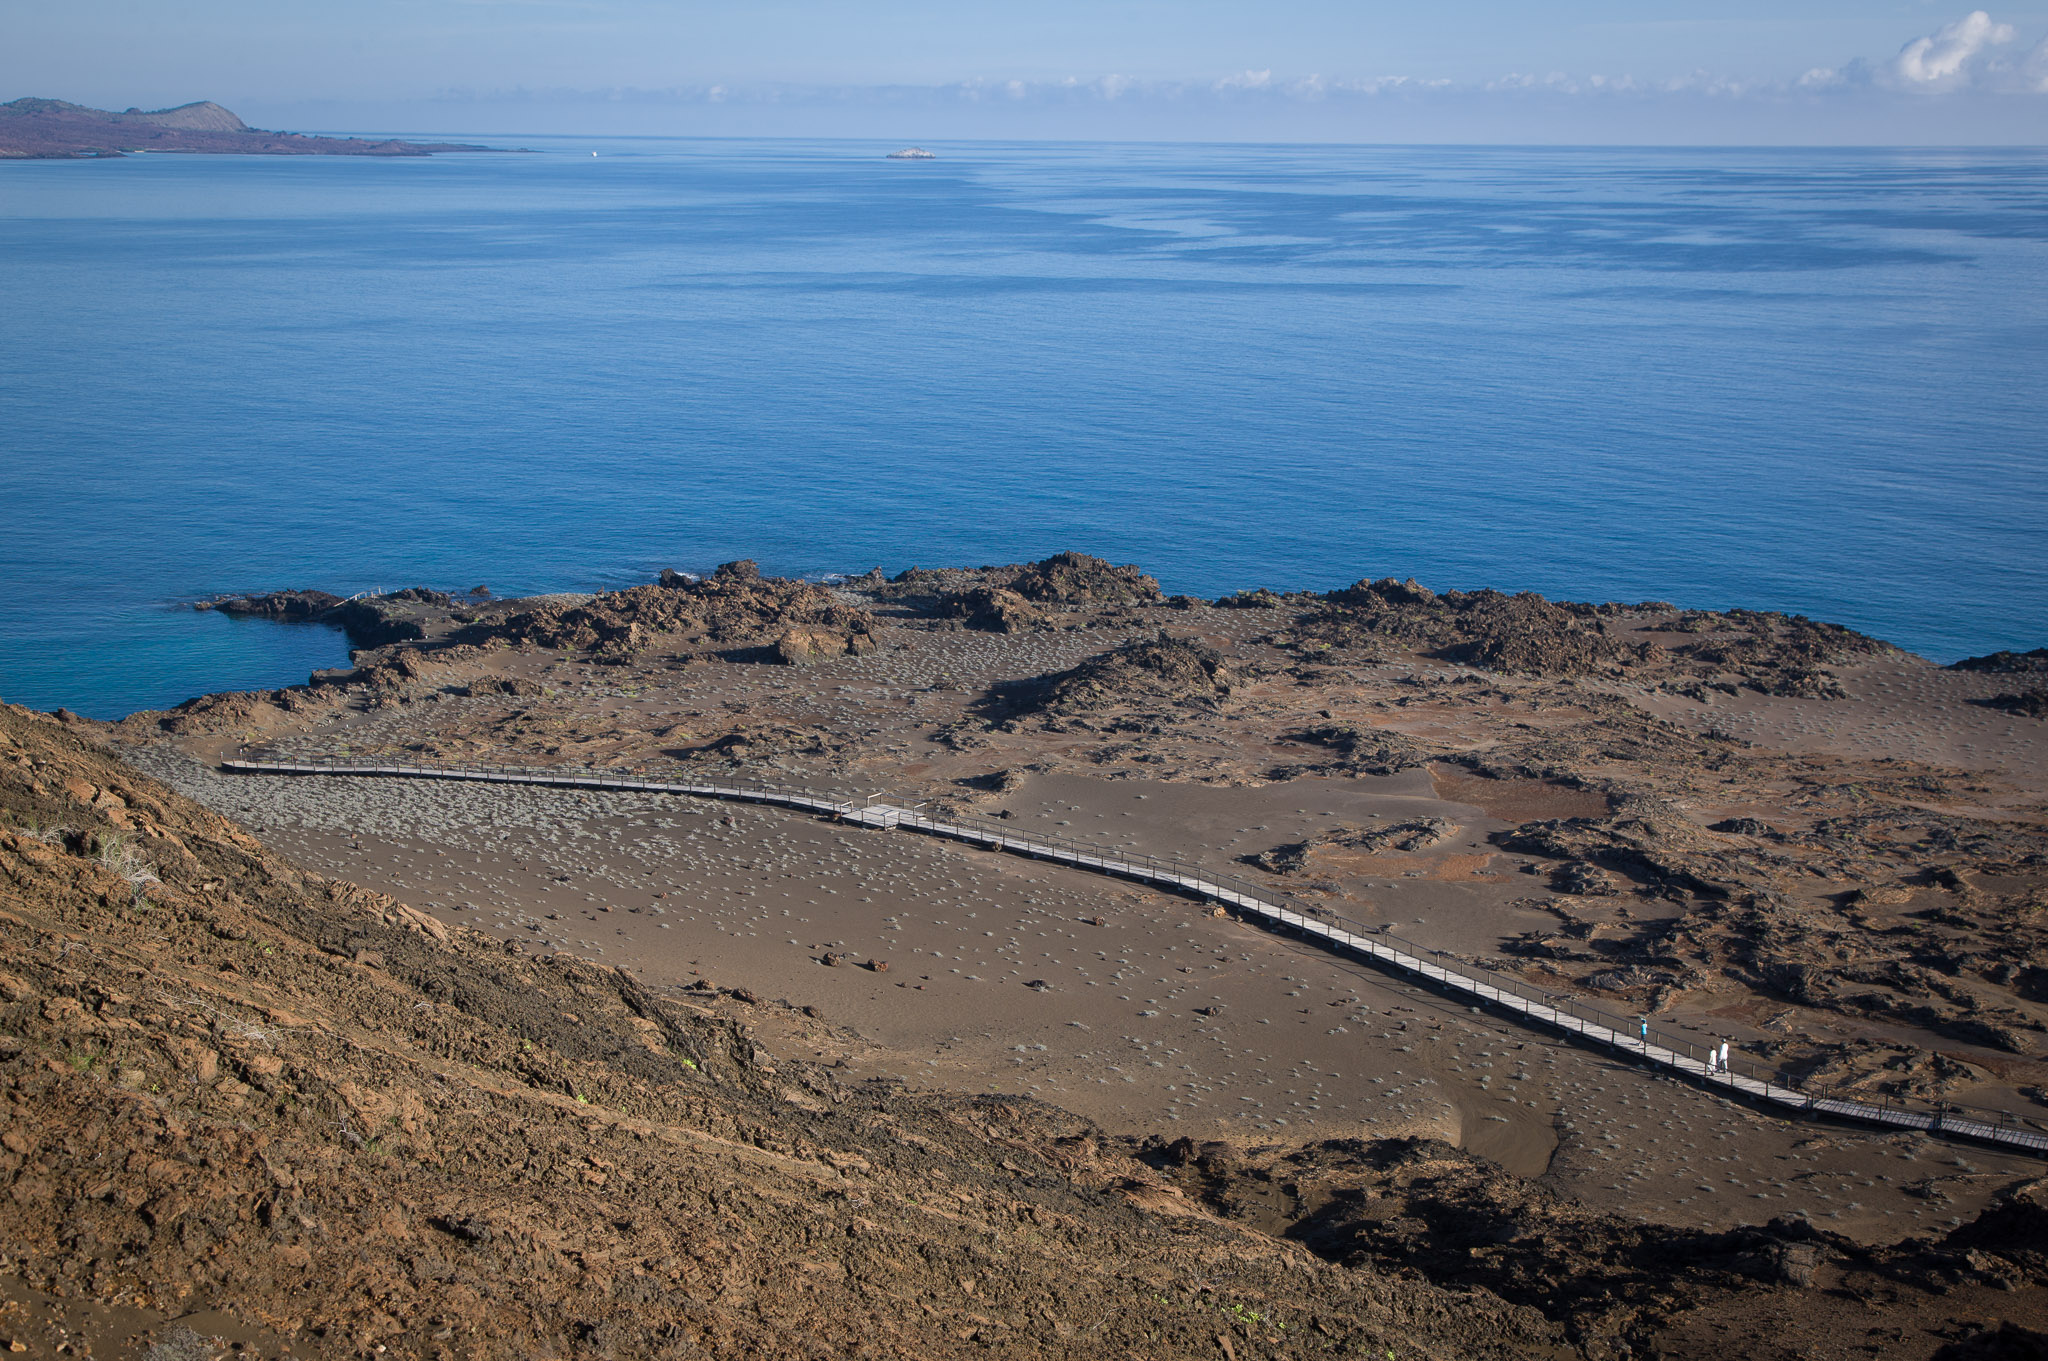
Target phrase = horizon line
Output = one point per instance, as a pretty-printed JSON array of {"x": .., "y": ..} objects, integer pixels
[{"x": 1169, "y": 141}]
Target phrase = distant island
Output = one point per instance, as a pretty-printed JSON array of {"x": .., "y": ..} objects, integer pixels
[{"x": 51, "y": 129}]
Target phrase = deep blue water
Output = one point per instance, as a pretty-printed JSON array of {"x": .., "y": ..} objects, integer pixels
[{"x": 1802, "y": 380}]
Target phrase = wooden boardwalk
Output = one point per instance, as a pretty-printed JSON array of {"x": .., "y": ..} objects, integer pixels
[{"x": 1741, "y": 1078}]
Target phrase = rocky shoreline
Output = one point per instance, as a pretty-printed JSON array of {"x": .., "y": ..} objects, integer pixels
[{"x": 1595, "y": 667}]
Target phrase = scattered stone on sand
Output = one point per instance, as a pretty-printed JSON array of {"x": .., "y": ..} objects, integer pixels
[{"x": 1752, "y": 827}]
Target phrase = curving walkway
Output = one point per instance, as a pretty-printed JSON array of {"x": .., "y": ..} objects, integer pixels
[{"x": 1653, "y": 1045}]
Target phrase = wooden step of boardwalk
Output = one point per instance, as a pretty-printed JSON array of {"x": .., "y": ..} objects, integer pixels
[{"x": 1523, "y": 1001}]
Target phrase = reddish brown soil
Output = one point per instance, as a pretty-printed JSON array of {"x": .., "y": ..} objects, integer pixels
[
  {"x": 248, "y": 1100},
  {"x": 236, "y": 1084}
]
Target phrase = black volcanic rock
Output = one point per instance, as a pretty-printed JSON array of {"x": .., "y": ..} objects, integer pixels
[
  {"x": 1740, "y": 827},
  {"x": 1147, "y": 674},
  {"x": 735, "y": 604},
  {"x": 737, "y": 573},
  {"x": 2006, "y": 662},
  {"x": 1359, "y": 750},
  {"x": 369, "y": 621},
  {"x": 2026, "y": 704},
  {"x": 1078, "y": 579},
  {"x": 400, "y": 617},
  {"x": 1261, "y": 598},
  {"x": 1516, "y": 633},
  {"x": 288, "y": 606},
  {"x": 991, "y": 610},
  {"x": 1525, "y": 634}
]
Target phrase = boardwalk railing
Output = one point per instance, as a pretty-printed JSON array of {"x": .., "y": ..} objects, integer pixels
[{"x": 1658, "y": 1045}]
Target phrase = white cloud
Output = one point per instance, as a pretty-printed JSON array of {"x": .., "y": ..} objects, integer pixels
[
  {"x": 1962, "y": 56},
  {"x": 1556, "y": 82},
  {"x": 1947, "y": 58},
  {"x": 1246, "y": 80},
  {"x": 2034, "y": 70}
]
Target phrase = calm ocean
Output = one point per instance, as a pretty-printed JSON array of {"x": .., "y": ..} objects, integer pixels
[{"x": 1799, "y": 380}]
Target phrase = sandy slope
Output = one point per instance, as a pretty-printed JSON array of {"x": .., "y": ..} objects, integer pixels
[{"x": 1758, "y": 828}]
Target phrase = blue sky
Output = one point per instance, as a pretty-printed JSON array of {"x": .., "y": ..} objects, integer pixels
[{"x": 1829, "y": 71}]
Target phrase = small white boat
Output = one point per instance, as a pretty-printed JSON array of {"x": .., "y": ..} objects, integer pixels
[{"x": 912, "y": 153}]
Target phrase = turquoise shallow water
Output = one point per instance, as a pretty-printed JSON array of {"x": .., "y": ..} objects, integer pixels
[{"x": 1804, "y": 380}]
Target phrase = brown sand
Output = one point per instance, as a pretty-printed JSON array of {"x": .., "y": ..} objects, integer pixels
[
  {"x": 1903, "y": 710},
  {"x": 1299, "y": 1044},
  {"x": 1140, "y": 1011}
]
